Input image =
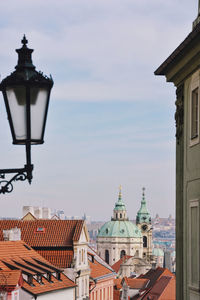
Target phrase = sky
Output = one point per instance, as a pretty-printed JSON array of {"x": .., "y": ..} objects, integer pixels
[{"x": 110, "y": 120}]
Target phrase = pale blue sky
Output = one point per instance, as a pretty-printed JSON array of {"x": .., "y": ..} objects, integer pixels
[{"x": 111, "y": 121}]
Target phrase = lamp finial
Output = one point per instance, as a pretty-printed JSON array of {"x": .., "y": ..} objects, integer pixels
[{"x": 24, "y": 41}]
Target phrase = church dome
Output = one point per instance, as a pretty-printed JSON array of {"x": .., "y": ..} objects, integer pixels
[{"x": 120, "y": 228}]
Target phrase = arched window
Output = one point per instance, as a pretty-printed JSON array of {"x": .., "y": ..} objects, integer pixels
[
  {"x": 120, "y": 216},
  {"x": 107, "y": 256},
  {"x": 122, "y": 253},
  {"x": 144, "y": 241}
]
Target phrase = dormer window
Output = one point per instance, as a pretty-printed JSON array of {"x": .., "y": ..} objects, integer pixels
[
  {"x": 58, "y": 276},
  {"x": 40, "y": 229},
  {"x": 39, "y": 279},
  {"x": 30, "y": 280},
  {"x": 49, "y": 277},
  {"x": 106, "y": 230}
]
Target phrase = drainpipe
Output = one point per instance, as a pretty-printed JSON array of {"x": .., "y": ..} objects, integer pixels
[
  {"x": 76, "y": 277},
  {"x": 95, "y": 283}
]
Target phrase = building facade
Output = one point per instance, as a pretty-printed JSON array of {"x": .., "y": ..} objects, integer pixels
[{"x": 182, "y": 69}]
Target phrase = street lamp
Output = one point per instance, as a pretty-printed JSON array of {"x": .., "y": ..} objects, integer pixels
[{"x": 26, "y": 94}]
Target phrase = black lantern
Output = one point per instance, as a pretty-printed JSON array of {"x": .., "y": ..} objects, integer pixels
[{"x": 26, "y": 95}]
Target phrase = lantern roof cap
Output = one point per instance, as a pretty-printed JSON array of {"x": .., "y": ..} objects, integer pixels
[{"x": 24, "y": 56}]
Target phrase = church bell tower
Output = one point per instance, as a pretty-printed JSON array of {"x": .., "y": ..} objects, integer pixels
[{"x": 143, "y": 221}]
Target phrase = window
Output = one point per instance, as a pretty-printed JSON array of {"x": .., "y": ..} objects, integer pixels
[
  {"x": 123, "y": 253},
  {"x": 144, "y": 241},
  {"x": 194, "y": 113},
  {"x": 194, "y": 243},
  {"x": 107, "y": 256},
  {"x": 40, "y": 229}
]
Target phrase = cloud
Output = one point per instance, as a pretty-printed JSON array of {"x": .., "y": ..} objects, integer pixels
[{"x": 96, "y": 51}]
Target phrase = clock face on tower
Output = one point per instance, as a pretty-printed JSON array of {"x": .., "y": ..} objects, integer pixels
[{"x": 144, "y": 227}]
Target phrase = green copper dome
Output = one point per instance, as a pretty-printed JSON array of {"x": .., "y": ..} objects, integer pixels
[
  {"x": 119, "y": 229},
  {"x": 119, "y": 226},
  {"x": 119, "y": 205},
  {"x": 143, "y": 216}
]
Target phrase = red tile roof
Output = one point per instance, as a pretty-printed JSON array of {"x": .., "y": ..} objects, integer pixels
[
  {"x": 59, "y": 258},
  {"x": 48, "y": 286},
  {"x": 17, "y": 254},
  {"x": 136, "y": 283},
  {"x": 164, "y": 289},
  {"x": 56, "y": 232},
  {"x": 116, "y": 266},
  {"x": 154, "y": 275},
  {"x": 99, "y": 268},
  {"x": 10, "y": 278}
]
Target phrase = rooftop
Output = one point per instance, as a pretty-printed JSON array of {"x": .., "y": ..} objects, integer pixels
[
  {"x": 39, "y": 233},
  {"x": 17, "y": 255}
]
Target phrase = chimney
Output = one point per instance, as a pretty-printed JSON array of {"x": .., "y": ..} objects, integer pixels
[{"x": 13, "y": 234}]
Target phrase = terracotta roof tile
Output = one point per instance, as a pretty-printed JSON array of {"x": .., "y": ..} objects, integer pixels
[
  {"x": 98, "y": 270},
  {"x": 59, "y": 258},
  {"x": 98, "y": 267},
  {"x": 116, "y": 266},
  {"x": 48, "y": 286},
  {"x": 154, "y": 275},
  {"x": 164, "y": 289},
  {"x": 56, "y": 232},
  {"x": 19, "y": 255},
  {"x": 136, "y": 283},
  {"x": 10, "y": 278}
]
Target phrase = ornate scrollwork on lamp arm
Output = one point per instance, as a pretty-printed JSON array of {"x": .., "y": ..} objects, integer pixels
[{"x": 6, "y": 186}]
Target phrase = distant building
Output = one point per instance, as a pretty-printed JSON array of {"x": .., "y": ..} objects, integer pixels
[
  {"x": 159, "y": 256},
  {"x": 120, "y": 237},
  {"x": 37, "y": 212},
  {"x": 131, "y": 266}
]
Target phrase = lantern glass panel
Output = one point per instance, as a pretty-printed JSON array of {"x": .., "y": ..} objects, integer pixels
[
  {"x": 39, "y": 98},
  {"x": 16, "y": 96}
]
